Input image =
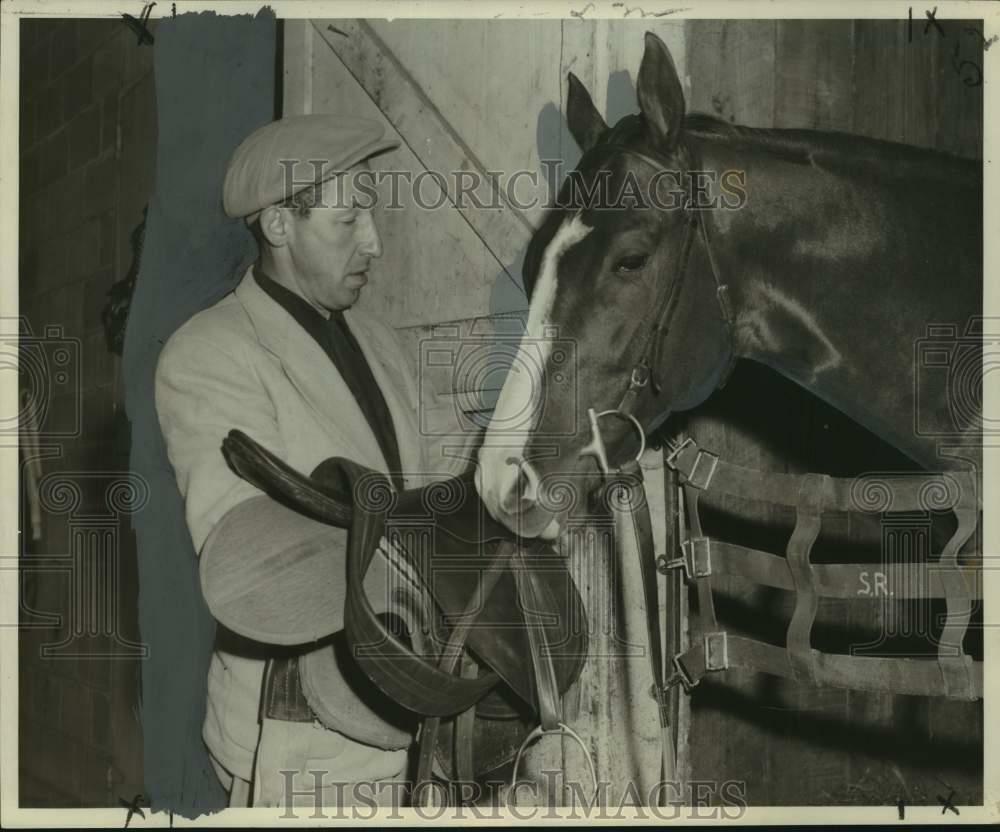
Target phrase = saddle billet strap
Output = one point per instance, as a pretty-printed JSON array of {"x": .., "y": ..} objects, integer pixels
[
  {"x": 449, "y": 658},
  {"x": 914, "y": 677}
]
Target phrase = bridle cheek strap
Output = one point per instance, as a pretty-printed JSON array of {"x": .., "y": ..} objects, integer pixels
[{"x": 644, "y": 373}]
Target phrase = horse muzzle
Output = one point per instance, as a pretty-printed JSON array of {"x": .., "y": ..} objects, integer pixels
[{"x": 515, "y": 495}]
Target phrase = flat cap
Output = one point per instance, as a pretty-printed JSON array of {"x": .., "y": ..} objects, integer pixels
[{"x": 285, "y": 156}]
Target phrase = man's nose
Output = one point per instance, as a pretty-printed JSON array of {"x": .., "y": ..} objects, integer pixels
[{"x": 371, "y": 243}]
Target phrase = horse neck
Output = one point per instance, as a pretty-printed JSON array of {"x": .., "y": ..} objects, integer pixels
[{"x": 835, "y": 272}]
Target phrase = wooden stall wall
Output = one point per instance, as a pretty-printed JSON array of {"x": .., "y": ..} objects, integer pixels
[{"x": 789, "y": 743}]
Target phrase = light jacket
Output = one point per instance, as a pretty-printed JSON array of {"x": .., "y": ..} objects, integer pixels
[{"x": 245, "y": 363}]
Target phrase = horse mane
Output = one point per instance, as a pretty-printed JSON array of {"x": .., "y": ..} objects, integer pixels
[{"x": 841, "y": 152}]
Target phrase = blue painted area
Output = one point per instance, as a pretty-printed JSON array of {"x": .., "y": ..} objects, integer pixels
[{"x": 214, "y": 84}]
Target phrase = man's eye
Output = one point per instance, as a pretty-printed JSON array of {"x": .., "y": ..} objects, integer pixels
[
  {"x": 632, "y": 263},
  {"x": 349, "y": 220}
]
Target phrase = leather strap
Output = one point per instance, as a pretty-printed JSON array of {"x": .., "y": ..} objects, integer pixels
[
  {"x": 636, "y": 508},
  {"x": 413, "y": 681},
  {"x": 868, "y": 493},
  {"x": 916, "y": 677},
  {"x": 451, "y": 654},
  {"x": 956, "y": 667},
  {"x": 530, "y": 593},
  {"x": 841, "y": 580},
  {"x": 258, "y": 466},
  {"x": 675, "y": 614},
  {"x": 283, "y": 697},
  {"x": 706, "y": 603},
  {"x": 644, "y": 374},
  {"x": 465, "y": 729},
  {"x": 813, "y": 492},
  {"x": 953, "y": 675}
]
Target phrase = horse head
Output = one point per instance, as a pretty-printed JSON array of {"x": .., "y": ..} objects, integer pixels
[{"x": 624, "y": 316}]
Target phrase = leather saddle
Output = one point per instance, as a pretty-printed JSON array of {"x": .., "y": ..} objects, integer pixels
[{"x": 503, "y": 611}]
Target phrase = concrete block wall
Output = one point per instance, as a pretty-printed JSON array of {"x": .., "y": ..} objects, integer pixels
[{"x": 87, "y": 161}]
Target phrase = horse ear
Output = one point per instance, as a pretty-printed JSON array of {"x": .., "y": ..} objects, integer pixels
[
  {"x": 661, "y": 98},
  {"x": 585, "y": 123}
]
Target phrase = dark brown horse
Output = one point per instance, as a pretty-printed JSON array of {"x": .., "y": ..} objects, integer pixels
[{"x": 682, "y": 243}]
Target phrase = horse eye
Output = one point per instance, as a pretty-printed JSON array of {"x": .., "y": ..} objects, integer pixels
[{"x": 632, "y": 263}]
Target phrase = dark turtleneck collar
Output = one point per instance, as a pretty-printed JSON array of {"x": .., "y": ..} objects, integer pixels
[{"x": 335, "y": 338}]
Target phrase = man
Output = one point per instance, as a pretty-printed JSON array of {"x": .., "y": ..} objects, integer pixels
[{"x": 287, "y": 359}]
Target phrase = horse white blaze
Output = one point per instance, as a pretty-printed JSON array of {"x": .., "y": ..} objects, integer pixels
[{"x": 502, "y": 453}]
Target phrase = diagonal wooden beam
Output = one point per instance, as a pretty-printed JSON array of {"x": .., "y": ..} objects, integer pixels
[{"x": 435, "y": 143}]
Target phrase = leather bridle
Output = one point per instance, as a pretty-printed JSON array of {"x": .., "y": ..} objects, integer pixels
[
  {"x": 645, "y": 373},
  {"x": 634, "y": 507}
]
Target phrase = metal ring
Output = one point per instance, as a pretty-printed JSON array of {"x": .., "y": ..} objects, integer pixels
[
  {"x": 635, "y": 424},
  {"x": 540, "y": 731}
]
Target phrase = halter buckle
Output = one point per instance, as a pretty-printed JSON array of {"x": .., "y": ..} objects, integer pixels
[
  {"x": 695, "y": 559},
  {"x": 640, "y": 375},
  {"x": 701, "y": 469},
  {"x": 680, "y": 676},
  {"x": 716, "y": 651}
]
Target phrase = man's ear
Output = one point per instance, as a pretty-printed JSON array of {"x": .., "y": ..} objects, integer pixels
[
  {"x": 274, "y": 225},
  {"x": 585, "y": 122}
]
